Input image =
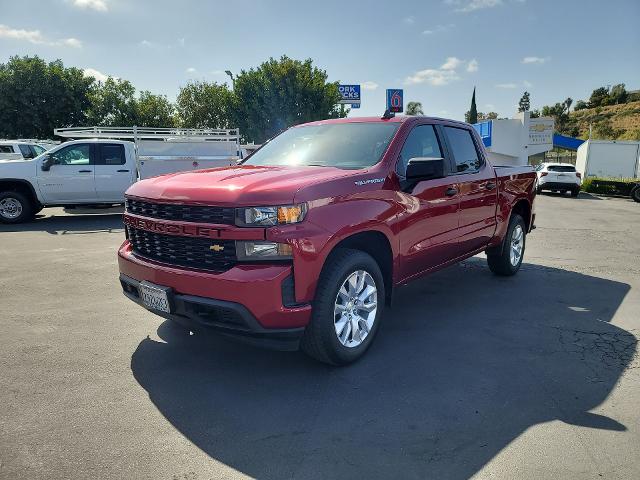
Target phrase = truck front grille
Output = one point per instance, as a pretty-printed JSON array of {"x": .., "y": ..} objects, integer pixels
[
  {"x": 191, "y": 252},
  {"x": 183, "y": 213}
]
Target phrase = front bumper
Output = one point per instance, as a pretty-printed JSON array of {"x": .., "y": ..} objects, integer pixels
[{"x": 246, "y": 301}]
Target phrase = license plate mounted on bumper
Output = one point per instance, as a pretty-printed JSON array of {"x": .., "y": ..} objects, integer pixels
[{"x": 155, "y": 297}]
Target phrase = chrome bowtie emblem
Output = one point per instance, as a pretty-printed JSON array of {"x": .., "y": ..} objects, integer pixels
[{"x": 216, "y": 248}]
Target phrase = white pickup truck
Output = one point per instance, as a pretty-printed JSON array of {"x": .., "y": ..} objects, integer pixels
[{"x": 97, "y": 171}]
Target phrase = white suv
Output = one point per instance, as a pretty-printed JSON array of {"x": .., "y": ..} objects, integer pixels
[{"x": 559, "y": 177}]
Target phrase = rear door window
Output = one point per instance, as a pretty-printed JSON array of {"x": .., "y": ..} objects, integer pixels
[
  {"x": 464, "y": 150},
  {"x": 6, "y": 149},
  {"x": 111, "y": 154}
]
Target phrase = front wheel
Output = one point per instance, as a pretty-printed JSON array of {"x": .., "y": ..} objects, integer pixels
[
  {"x": 347, "y": 309},
  {"x": 635, "y": 194},
  {"x": 508, "y": 261},
  {"x": 15, "y": 207}
]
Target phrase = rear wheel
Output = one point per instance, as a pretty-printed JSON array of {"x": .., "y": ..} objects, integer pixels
[
  {"x": 15, "y": 207},
  {"x": 508, "y": 261},
  {"x": 635, "y": 194},
  {"x": 575, "y": 192},
  {"x": 347, "y": 309}
]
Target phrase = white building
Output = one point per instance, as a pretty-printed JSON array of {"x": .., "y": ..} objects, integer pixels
[{"x": 512, "y": 141}]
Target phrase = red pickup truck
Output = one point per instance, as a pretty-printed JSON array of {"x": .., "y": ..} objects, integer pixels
[{"x": 304, "y": 243}]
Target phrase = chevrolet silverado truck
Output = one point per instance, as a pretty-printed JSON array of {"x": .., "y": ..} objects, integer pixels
[{"x": 305, "y": 242}]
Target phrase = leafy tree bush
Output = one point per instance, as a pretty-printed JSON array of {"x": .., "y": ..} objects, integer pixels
[
  {"x": 36, "y": 97},
  {"x": 205, "y": 105},
  {"x": 281, "y": 93},
  {"x": 414, "y": 108},
  {"x": 525, "y": 102}
]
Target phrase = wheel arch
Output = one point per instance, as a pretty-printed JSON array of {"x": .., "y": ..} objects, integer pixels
[
  {"x": 376, "y": 244},
  {"x": 20, "y": 185}
]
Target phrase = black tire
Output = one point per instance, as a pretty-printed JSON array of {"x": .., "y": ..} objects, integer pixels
[
  {"x": 19, "y": 202},
  {"x": 635, "y": 194},
  {"x": 539, "y": 190},
  {"x": 575, "y": 192},
  {"x": 500, "y": 262},
  {"x": 320, "y": 340}
]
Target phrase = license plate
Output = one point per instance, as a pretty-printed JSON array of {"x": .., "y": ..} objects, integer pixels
[{"x": 155, "y": 298}]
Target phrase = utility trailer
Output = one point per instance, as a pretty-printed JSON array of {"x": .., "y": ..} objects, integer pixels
[
  {"x": 168, "y": 150},
  {"x": 610, "y": 162}
]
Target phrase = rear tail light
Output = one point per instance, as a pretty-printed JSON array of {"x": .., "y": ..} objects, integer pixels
[
  {"x": 544, "y": 174},
  {"x": 579, "y": 175}
]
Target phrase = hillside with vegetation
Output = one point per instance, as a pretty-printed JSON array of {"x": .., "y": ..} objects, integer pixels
[
  {"x": 611, "y": 113},
  {"x": 611, "y": 122}
]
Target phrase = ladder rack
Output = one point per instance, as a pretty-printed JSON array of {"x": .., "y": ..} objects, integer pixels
[{"x": 151, "y": 133}]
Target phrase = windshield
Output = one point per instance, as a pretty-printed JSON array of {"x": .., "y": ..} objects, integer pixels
[{"x": 342, "y": 145}]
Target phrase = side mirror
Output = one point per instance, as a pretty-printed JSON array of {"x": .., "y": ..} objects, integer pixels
[
  {"x": 425, "y": 168},
  {"x": 47, "y": 161}
]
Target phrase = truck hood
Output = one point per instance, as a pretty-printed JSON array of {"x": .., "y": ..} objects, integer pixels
[{"x": 236, "y": 186}]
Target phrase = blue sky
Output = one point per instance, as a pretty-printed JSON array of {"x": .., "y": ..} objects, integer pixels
[{"x": 437, "y": 50}]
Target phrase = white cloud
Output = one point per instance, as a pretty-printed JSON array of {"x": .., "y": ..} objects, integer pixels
[
  {"x": 527, "y": 84},
  {"x": 472, "y": 66},
  {"x": 438, "y": 29},
  {"x": 36, "y": 37},
  {"x": 217, "y": 72},
  {"x": 536, "y": 60},
  {"x": 181, "y": 42},
  {"x": 467, "y": 6},
  {"x": 410, "y": 20},
  {"x": 434, "y": 77},
  {"x": 146, "y": 43},
  {"x": 490, "y": 106},
  {"x": 451, "y": 64},
  {"x": 191, "y": 70},
  {"x": 369, "y": 85},
  {"x": 97, "y": 5},
  {"x": 506, "y": 85},
  {"x": 98, "y": 75}
]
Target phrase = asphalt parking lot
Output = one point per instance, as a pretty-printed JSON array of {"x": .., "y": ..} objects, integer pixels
[{"x": 534, "y": 376}]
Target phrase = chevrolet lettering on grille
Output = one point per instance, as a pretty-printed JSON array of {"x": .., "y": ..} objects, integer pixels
[{"x": 171, "y": 228}]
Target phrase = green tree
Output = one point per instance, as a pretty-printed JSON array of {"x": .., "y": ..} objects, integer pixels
[
  {"x": 281, "y": 93},
  {"x": 414, "y": 108},
  {"x": 580, "y": 105},
  {"x": 205, "y": 105},
  {"x": 112, "y": 103},
  {"x": 599, "y": 97},
  {"x": 36, "y": 97},
  {"x": 535, "y": 113},
  {"x": 154, "y": 111},
  {"x": 618, "y": 94},
  {"x": 525, "y": 102},
  {"x": 473, "y": 111}
]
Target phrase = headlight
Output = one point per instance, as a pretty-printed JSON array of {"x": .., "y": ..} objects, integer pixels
[
  {"x": 270, "y": 216},
  {"x": 250, "y": 251}
]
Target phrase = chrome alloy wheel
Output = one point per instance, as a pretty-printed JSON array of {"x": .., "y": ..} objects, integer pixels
[
  {"x": 10, "y": 208},
  {"x": 355, "y": 308},
  {"x": 517, "y": 244}
]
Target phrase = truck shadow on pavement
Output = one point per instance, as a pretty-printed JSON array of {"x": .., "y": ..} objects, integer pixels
[
  {"x": 464, "y": 363},
  {"x": 79, "y": 223}
]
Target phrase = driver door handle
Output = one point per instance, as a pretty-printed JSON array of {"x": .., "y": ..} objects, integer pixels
[
  {"x": 84, "y": 171},
  {"x": 451, "y": 191},
  {"x": 490, "y": 186},
  {"x": 123, "y": 171}
]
